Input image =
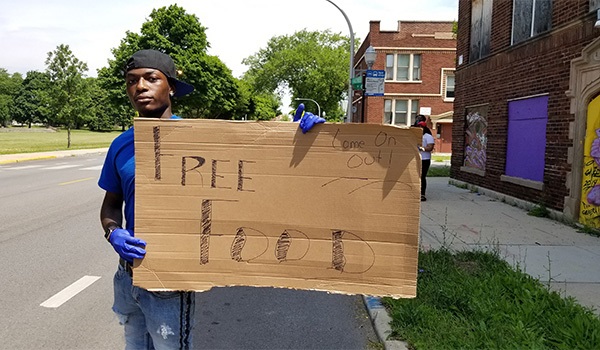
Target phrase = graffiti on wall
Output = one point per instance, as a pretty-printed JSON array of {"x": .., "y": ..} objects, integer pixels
[
  {"x": 476, "y": 137},
  {"x": 589, "y": 210}
]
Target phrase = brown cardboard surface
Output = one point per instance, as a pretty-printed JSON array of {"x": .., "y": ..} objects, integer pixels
[{"x": 225, "y": 203}]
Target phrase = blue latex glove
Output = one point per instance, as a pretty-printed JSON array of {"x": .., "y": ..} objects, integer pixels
[
  {"x": 307, "y": 119},
  {"x": 126, "y": 245},
  {"x": 299, "y": 112}
]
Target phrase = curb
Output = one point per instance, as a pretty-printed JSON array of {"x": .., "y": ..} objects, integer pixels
[
  {"x": 381, "y": 323},
  {"x": 23, "y": 157},
  {"x": 9, "y": 161}
]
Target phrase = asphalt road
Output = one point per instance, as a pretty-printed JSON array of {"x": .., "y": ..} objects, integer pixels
[{"x": 57, "y": 278}]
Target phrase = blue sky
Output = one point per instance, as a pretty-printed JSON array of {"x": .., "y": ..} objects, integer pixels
[{"x": 236, "y": 29}]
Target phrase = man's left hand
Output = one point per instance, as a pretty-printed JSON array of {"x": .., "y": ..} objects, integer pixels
[{"x": 307, "y": 119}]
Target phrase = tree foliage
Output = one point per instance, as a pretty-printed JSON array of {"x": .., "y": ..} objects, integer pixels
[
  {"x": 173, "y": 31},
  {"x": 9, "y": 87},
  {"x": 310, "y": 64},
  {"x": 254, "y": 105},
  {"x": 32, "y": 102},
  {"x": 68, "y": 92}
]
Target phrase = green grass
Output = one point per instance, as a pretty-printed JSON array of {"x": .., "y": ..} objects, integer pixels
[
  {"x": 440, "y": 157},
  {"x": 26, "y": 142},
  {"x": 539, "y": 211},
  {"x": 438, "y": 171},
  {"x": 475, "y": 300}
]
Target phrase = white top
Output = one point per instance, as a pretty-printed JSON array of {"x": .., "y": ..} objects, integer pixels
[{"x": 427, "y": 140}]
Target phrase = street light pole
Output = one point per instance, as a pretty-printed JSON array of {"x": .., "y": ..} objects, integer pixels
[
  {"x": 370, "y": 57},
  {"x": 308, "y": 99},
  {"x": 349, "y": 113}
]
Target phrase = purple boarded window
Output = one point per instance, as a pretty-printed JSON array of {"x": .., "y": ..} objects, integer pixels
[{"x": 526, "y": 144}]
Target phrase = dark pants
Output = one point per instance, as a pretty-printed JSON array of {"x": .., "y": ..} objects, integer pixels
[{"x": 425, "y": 163}]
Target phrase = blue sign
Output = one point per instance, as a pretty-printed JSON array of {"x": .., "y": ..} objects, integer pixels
[
  {"x": 374, "y": 82},
  {"x": 371, "y": 73}
]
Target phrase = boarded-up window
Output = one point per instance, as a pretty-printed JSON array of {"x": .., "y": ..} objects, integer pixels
[
  {"x": 481, "y": 28},
  {"x": 526, "y": 142},
  {"x": 476, "y": 137},
  {"x": 530, "y": 18}
]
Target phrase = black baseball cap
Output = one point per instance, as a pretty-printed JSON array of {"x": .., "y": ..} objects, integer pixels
[{"x": 164, "y": 63}]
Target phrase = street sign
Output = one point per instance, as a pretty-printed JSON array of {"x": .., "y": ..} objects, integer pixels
[
  {"x": 425, "y": 110},
  {"x": 374, "y": 82},
  {"x": 356, "y": 83}
]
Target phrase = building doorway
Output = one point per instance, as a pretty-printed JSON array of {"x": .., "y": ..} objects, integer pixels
[{"x": 443, "y": 137}]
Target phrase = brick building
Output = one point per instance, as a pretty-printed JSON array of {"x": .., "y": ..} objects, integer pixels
[
  {"x": 419, "y": 60},
  {"x": 527, "y": 111}
]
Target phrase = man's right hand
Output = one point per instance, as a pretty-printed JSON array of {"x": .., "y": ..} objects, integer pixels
[{"x": 127, "y": 246}]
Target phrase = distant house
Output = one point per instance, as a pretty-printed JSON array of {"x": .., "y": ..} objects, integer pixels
[
  {"x": 527, "y": 105},
  {"x": 419, "y": 61}
]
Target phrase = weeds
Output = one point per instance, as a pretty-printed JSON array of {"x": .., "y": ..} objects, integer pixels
[
  {"x": 464, "y": 186},
  {"x": 475, "y": 300},
  {"x": 589, "y": 230},
  {"x": 539, "y": 211},
  {"x": 439, "y": 171}
]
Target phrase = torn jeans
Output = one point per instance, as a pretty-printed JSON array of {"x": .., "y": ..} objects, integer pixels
[{"x": 153, "y": 320}]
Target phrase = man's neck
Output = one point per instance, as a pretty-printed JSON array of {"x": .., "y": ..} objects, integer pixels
[{"x": 166, "y": 114}]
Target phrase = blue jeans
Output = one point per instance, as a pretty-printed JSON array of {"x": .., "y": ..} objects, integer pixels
[{"x": 153, "y": 320}]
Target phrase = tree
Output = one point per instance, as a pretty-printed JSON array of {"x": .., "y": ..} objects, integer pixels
[
  {"x": 101, "y": 114},
  {"x": 112, "y": 83},
  {"x": 172, "y": 31},
  {"x": 31, "y": 104},
  {"x": 67, "y": 92},
  {"x": 254, "y": 105},
  {"x": 9, "y": 87},
  {"x": 310, "y": 64}
]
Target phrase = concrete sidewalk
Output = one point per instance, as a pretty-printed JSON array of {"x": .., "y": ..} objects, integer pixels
[{"x": 546, "y": 249}]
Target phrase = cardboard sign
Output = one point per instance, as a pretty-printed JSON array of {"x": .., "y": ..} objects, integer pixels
[{"x": 226, "y": 203}]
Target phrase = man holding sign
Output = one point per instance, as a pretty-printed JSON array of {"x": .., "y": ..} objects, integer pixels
[{"x": 161, "y": 320}]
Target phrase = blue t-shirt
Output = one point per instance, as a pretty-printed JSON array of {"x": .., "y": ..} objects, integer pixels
[{"x": 118, "y": 172}]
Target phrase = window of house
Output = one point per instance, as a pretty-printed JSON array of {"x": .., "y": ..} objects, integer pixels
[
  {"x": 449, "y": 91},
  {"x": 481, "y": 28},
  {"x": 416, "y": 67},
  {"x": 530, "y": 18},
  {"x": 389, "y": 67},
  {"x": 403, "y": 67},
  {"x": 526, "y": 141},
  {"x": 400, "y": 112}
]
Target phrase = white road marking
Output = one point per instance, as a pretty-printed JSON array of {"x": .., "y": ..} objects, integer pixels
[
  {"x": 97, "y": 167},
  {"x": 64, "y": 295},
  {"x": 58, "y": 167},
  {"x": 23, "y": 167}
]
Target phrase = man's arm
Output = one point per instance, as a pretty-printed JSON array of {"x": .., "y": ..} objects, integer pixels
[
  {"x": 111, "y": 212},
  {"x": 111, "y": 217}
]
